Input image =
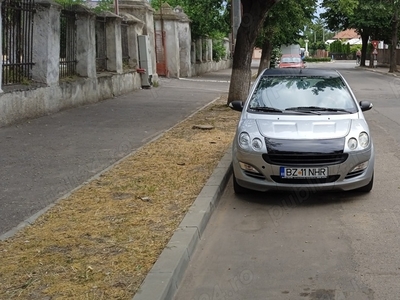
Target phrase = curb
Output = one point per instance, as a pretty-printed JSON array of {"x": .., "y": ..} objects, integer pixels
[
  {"x": 377, "y": 70},
  {"x": 164, "y": 278}
]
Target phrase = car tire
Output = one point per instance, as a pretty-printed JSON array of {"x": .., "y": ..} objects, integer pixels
[
  {"x": 367, "y": 188},
  {"x": 238, "y": 189}
]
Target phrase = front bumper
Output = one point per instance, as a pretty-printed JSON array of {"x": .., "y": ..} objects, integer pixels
[{"x": 269, "y": 179}]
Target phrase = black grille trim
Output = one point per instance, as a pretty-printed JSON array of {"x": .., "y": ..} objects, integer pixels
[
  {"x": 254, "y": 175},
  {"x": 354, "y": 174},
  {"x": 329, "y": 179},
  {"x": 306, "y": 159}
]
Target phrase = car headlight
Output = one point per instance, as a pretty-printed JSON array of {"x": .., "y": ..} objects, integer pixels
[
  {"x": 247, "y": 143},
  {"x": 244, "y": 140},
  {"x": 364, "y": 139},
  {"x": 256, "y": 144},
  {"x": 352, "y": 144}
]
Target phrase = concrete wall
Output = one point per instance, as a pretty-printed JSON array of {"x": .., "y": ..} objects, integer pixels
[
  {"x": 47, "y": 93},
  {"x": 211, "y": 66},
  {"x": 35, "y": 102},
  {"x": 186, "y": 58}
]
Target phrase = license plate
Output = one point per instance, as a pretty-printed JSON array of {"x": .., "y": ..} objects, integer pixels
[{"x": 303, "y": 172}]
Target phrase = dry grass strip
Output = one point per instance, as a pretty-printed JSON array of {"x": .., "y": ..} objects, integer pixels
[{"x": 100, "y": 242}]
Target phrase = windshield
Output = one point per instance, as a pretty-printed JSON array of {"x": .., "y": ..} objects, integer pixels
[
  {"x": 290, "y": 92},
  {"x": 291, "y": 59}
]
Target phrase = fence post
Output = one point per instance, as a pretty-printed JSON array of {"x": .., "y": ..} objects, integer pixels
[
  {"x": 46, "y": 42},
  {"x": 85, "y": 42}
]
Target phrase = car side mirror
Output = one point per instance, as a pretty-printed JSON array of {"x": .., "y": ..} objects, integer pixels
[
  {"x": 365, "y": 105},
  {"x": 236, "y": 105}
]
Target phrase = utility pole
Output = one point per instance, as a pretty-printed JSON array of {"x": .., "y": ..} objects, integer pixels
[
  {"x": 236, "y": 17},
  {"x": 116, "y": 7}
]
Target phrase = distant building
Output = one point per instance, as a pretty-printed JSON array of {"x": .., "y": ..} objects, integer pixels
[{"x": 347, "y": 36}]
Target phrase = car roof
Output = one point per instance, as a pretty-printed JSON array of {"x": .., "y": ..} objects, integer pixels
[
  {"x": 290, "y": 55},
  {"x": 301, "y": 72}
]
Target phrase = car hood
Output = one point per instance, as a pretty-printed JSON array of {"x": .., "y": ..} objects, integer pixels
[{"x": 304, "y": 129}]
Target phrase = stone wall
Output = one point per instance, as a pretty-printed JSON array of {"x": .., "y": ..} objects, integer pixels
[{"x": 47, "y": 93}]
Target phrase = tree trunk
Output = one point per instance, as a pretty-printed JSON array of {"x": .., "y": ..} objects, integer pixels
[
  {"x": 253, "y": 16},
  {"x": 395, "y": 26},
  {"x": 266, "y": 52},
  {"x": 364, "y": 47}
]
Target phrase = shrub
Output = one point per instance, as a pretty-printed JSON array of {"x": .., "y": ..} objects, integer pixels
[
  {"x": 219, "y": 51},
  {"x": 316, "y": 59}
]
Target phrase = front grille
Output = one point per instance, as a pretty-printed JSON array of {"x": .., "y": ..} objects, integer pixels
[
  {"x": 329, "y": 179},
  {"x": 305, "y": 159}
]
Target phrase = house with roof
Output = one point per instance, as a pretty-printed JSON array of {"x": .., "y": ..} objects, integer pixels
[{"x": 347, "y": 36}]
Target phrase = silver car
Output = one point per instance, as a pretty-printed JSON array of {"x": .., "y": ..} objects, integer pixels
[{"x": 302, "y": 128}]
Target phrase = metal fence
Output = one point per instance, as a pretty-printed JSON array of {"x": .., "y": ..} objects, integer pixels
[
  {"x": 67, "y": 43},
  {"x": 17, "y": 33},
  {"x": 124, "y": 44},
  {"x": 101, "y": 44}
]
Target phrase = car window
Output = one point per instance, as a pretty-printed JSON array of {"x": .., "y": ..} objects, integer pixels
[
  {"x": 290, "y": 59},
  {"x": 293, "y": 91}
]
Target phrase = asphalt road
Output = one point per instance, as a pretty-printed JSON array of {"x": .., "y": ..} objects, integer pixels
[
  {"x": 44, "y": 159},
  {"x": 307, "y": 245}
]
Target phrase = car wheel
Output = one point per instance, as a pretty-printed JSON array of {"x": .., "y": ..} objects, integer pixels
[
  {"x": 238, "y": 189},
  {"x": 367, "y": 188}
]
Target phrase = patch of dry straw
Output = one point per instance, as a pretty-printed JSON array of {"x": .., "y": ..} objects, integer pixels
[{"x": 100, "y": 242}]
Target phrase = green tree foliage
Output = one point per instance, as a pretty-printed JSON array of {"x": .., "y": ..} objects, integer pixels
[
  {"x": 371, "y": 19},
  {"x": 253, "y": 15},
  {"x": 209, "y": 17},
  {"x": 284, "y": 25},
  {"x": 336, "y": 47},
  {"x": 104, "y": 5},
  {"x": 69, "y": 2}
]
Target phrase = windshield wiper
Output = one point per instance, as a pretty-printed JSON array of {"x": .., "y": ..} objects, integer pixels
[
  {"x": 265, "y": 108},
  {"x": 317, "y": 108}
]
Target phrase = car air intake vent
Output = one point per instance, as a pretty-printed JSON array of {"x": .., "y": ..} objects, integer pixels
[
  {"x": 305, "y": 159},
  {"x": 354, "y": 174},
  {"x": 254, "y": 175},
  {"x": 332, "y": 178}
]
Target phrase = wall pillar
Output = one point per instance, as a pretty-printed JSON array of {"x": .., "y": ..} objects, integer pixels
[
  {"x": 227, "y": 48},
  {"x": 135, "y": 28},
  {"x": 85, "y": 43},
  {"x": 210, "y": 50},
  {"x": 193, "y": 53},
  {"x": 185, "y": 42},
  {"x": 199, "y": 50},
  {"x": 46, "y": 42},
  {"x": 113, "y": 40}
]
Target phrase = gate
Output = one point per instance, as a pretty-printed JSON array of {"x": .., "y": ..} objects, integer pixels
[
  {"x": 160, "y": 53},
  {"x": 17, "y": 41}
]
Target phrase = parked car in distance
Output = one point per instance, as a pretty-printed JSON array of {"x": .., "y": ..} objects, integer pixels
[
  {"x": 302, "y": 129},
  {"x": 291, "y": 61}
]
